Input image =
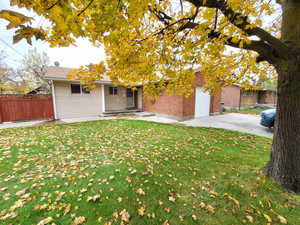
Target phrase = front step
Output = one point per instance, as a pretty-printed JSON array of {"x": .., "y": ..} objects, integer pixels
[{"x": 134, "y": 113}]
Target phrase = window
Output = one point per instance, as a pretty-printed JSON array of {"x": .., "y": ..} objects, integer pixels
[
  {"x": 129, "y": 93},
  {"x": 85, "y": 90},
  {"x": 78, "y": 89},
  {"x": 75, "y": 89},
  {"x": 113, "y": 91},
  {"x": 247, "y": 93}
]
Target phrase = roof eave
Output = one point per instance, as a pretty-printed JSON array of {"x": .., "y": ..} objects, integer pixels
[{"x": 68, "y": 80}]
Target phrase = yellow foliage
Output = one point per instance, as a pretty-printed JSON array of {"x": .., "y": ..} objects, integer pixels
[{"x": 154, "y": 50}]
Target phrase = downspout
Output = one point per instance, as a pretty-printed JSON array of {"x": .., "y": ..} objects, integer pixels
[
  {"x": 240, "y": 100},
  {"x": 53, "y": 99},
  {"x": 103, "y": 97}
]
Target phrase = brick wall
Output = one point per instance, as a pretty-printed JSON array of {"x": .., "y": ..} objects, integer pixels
[
  {"x": 215, "y": 104},
  {"x": 165, "y": 104},
  {"x": 189, "y": 106},
  {"x": 179, "y": 106},
  {"x": 230, "y": 96},
  {"x": 267, "y": 97},
  {"x": 249, "y": 98}
]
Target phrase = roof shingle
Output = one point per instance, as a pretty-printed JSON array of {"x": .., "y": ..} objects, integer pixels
[{"x": 59, "y": 73}]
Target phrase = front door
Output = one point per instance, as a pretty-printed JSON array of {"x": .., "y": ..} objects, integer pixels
[{"x": 130, "y": 98}]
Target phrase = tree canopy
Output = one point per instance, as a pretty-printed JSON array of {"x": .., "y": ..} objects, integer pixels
[{"x": 150, "y": 41}]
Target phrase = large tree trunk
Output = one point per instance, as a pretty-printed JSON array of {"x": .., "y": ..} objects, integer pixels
[{"x": 284, "y": 164}]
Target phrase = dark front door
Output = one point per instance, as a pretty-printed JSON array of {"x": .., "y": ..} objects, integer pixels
[{"x": 130, "y": 98}]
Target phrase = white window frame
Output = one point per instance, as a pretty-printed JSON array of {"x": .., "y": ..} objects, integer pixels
[
  {"x": 81, "y": 90},
  {"x": 114, "y": 88}
]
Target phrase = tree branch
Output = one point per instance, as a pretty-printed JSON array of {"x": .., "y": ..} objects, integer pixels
[
  {"x": 241, "y": 22},
  {"x": 85, "y": 8},
  {"x": 265, "y": 51},
  {"x": 53, "y": 5}
]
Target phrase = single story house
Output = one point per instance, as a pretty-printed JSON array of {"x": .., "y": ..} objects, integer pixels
[
  {"x": 72, "y": 100},
  {"x": 235, "y": 97}
]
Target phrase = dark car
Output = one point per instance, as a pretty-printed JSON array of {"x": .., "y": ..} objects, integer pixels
[{"x": 268, "y": 118}]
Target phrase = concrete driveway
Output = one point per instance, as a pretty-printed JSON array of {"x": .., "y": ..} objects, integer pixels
[{"x": 233, "y": 121}]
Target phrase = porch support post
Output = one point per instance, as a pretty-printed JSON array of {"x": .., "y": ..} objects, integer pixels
[
  {"x": 103, "y": 97},
  {"x": 53, "y": 99}
]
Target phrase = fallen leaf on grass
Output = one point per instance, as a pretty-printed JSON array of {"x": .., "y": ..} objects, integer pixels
[
  {"x": 194, "y": 217},
  {"x": 125, "y": 216},
  {"x": 233, "y": 199},
  {"x": 3, "y": 189},
  {"x": 172, "y": 199},
  {"x": 268, "y": 218},
  {"x": 22, "y": 192},
  {"x": 210, "y": 209},
  {"x": 93, "y": 198},
  {"x": 250, "y": 219},
  {"x": 67, "y": 210},
  {"x": 140, "y": 191},
  {"x": 45, "y": 221},
  {"x": 282, "y": 219},
  {"x": 79, "y": 220},
  {"x": 141, "y": 211}
]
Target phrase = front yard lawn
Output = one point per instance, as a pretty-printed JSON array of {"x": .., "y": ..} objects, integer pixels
[
  {"x": 254, "y": 111},
  {"x": 136, "y": 172}
]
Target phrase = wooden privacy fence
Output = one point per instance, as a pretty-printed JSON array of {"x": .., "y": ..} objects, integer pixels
[{"x": 25, "y": 107}]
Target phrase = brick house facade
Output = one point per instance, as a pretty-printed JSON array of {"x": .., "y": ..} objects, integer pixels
[
  {"x": 268, "y": 97},
  {"x": 179, "y": 107},
  {"x": 234, "y": 97}
]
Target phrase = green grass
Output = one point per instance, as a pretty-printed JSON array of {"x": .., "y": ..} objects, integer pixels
[
  {"x": 255, "y": 111},
  {"x": 146, "y": 173}
]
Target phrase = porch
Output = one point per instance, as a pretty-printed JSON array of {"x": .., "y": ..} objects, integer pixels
[{"x": 120, "y": 99}]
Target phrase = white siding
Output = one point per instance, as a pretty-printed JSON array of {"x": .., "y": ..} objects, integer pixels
[{"x": 70, "y": 105}]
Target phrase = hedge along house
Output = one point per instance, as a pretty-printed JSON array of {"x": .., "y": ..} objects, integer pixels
[
  {"x": 72, "y": 100},
  {"x": 198, "y": 104}
]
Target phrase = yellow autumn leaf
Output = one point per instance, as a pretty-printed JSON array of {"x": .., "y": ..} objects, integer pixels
[
  {"x": 125, "y": 216},
  {"x": 78, "y": 220},
  {"x": 67, "y": 209},
  {"x": 15, "y": 19},
  {"x": 249, "y": 218},
  {"x": 172, "y": 199},
  {"x": 268, "y": 218},
  {"x": 194, "y": 217},
  {"x": 140, "y": 191},
  {"x": 141, "y": 211},
  {"x": 45, "y": 221},
  {"x": 282, "y": 219}
]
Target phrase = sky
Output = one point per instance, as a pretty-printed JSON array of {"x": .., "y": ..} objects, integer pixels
[{"x": 71, "y": 56}]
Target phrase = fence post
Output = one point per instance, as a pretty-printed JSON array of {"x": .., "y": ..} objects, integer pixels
[{"x": 1, "y": 110}]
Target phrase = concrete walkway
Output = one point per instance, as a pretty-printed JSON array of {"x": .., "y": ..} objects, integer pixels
[
  {"x": 21, "y": 124},
  {"x": 234, "y": 121}
]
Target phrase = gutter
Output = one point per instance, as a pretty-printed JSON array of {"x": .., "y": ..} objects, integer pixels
[
  {"x": 53, "y": 99},
  {"x": 66, "y": 79}
]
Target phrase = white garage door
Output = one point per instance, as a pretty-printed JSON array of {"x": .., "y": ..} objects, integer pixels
[{"x": 202, "y": 103}]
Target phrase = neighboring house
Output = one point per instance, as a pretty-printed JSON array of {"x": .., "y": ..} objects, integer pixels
[
  {"x": 43, "y": 89},
  {"x": 235, "y": 97},
  {"x": 71, "y": 100}
]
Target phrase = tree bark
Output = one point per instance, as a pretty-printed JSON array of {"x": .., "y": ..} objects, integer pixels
[{"x": 284, "y": 164}]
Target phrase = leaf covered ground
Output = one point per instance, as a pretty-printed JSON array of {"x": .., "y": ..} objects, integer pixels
[{"x": 137, "y": 172}]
